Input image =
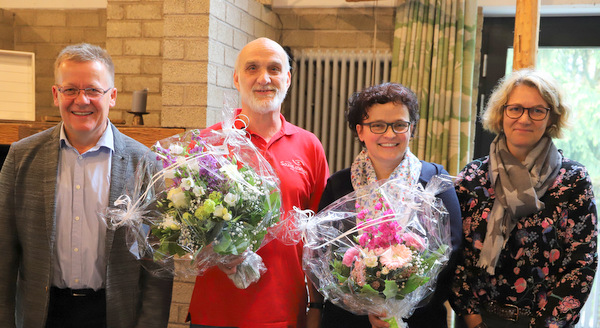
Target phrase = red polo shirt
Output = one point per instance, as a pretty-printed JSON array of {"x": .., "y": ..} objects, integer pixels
[{"x": 279, "y": 298}]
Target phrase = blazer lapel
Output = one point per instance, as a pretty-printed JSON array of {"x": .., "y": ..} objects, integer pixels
[
  {"x": 118, "y": 178},
  {"x": 50, "y": 156}
]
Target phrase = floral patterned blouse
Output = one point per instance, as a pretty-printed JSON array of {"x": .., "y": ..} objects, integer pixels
[{"x": 550, "y": 258}]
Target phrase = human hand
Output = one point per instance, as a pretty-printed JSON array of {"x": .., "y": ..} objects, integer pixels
[
  {"x": 229, "y": 266},
  {"x": 376, "y": 321}
]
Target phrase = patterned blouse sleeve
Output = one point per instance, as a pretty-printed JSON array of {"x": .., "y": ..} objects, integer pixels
[
  {"x": 577, "y": 228},
  {"x": 464, "y": 298}
]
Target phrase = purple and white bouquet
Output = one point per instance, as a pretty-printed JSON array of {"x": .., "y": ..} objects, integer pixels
[{"x": 213, "y": 198}]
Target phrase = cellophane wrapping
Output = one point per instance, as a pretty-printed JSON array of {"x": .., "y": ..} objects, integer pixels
[
  {"x": 378, "y": 249},
  {"x": 201, "y": 198}
]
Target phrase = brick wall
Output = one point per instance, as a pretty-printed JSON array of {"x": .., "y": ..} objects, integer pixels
[
  {"x": 134, "y": 36},
  {"x": 7, "y": 39},
  {"x": 337, "y": 28},
  {"x": 46, "y": 32}
]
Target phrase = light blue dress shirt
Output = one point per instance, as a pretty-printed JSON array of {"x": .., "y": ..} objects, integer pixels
[{"x": 83, "y": 186}]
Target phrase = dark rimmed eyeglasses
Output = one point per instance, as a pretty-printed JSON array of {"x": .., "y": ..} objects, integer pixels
[
  {"x": 71, "y": 92},
  {"x": 382, "y": 127},
  {"x": 535, "y": 113}
]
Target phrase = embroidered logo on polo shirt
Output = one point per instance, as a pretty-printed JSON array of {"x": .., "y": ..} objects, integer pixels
[{"x": 295, "y": 165}]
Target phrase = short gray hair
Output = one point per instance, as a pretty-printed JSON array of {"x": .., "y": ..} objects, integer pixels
[{"x": 85, "y": 52}]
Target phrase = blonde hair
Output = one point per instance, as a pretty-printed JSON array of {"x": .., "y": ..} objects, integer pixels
[{"x": 493, "y": 115}]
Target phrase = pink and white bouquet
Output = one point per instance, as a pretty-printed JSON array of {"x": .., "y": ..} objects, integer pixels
[
  {"x": 379, "y": 248},
  {"x": 212, "y": 198}
]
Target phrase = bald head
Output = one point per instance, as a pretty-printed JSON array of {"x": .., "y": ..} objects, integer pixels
[{"x": 266, "y": 46}]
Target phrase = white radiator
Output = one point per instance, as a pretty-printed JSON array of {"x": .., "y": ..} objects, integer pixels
[{"x": 322, "y": 82}]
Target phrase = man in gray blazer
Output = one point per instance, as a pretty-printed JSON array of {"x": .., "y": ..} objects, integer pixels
[{"x": 60, "y": 266}]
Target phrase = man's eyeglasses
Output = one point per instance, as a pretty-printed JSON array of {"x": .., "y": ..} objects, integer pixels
[
  {"x": 71, "y": 92},
  {"x": 382, "y": 127},
  {"x": 535, "y": 113}
]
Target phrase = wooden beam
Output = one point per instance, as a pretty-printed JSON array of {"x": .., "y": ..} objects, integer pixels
[{"x": 527, "y": 26}]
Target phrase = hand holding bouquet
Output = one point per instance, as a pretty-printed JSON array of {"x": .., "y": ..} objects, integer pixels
[
  {"x": 379, "y": 248},
  {"x": 215, "y": 199}
]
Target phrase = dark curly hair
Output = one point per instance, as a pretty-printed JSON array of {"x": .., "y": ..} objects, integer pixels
[{"x": 360, "y": 102}]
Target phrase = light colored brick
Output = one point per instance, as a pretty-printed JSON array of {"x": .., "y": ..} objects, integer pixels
[
  {"x": 154, "y": 102},
  {"x": 216, "y": 53},
  {"x": 260, "y": 28},
  {"x": 127, "y": 65},
  {"x": 299, "y": 38},
  {"x": 342, "y": 39},
  {"x": 114, "y": 11},
  {"x": 180, "y": 71},
  {"x": 172, "y": 94},
  {"x": 174, "y": 49},
  {"x": 247, "y": 23},
  {"x": 44, "y": 66},
  {"x": 83, "y": 18},
  {"x": 225, "y": 77},
  {"x": 94, "y": 35},
  {"x": 186, "y": 26},
  {"x": 132, "y": 83},
  {"x": 51, "y": 18},
  {"x": 240, "y": 39},
  {"x": 195, "y": 95},
  {"x": 233, "y": 16},
  {"x": 33, "y": 34},
  {"x": 114, "y": 46},
  {"x": 211, "y": 73},
  {"x": 47, "y": 51},
  {"x": 146, "y": 47},
  {"x": 218, "y": 9},
  {"x": 185, "y": 117},
  {"x": 119, "y": 82},
  {"x": 198, "y": 6},
  {"x": 117, "y": 29},
  {"x": 67, "y": 35},
  {"x": 318, "y": 22},
  {"x": 154, "y": 29},
  {"x": 25, "y": 17},
  {"x": 231, "y": 57},
  {"x": 224, "y": 33},
  {"x": 242, "y": 4},
  {"x": 290, "y": 21},
  {"x": 124, "y": 100},
  {"x": 254, "y": 8},
  {"x": 196, "y": 50},
  {"x": 174, "y": 6},
  {"x": 143, "y": 11},
  {"x": 152, "y": 65}
]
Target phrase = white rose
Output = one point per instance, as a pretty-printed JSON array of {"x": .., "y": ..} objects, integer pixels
[
  {"x": 169, "y": 173},
  {"x": 178, "y": 197},
  {"x": 370, "y": 260},
  {"x": 232, "y": 172},
  {"x": 231, "y": 199},
  {"x": 227, "y": 216},
  {"x": 198, "y": 191},
  {"x": 218, "y": 212},
  {"x": 175, "y": 149},
  {"x": 187, "y": 183}
]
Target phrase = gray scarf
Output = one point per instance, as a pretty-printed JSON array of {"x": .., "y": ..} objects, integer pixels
[{"x": 518, "y": 187}]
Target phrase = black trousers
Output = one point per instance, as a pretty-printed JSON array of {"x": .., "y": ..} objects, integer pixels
[{"x": 75, "y": 308}]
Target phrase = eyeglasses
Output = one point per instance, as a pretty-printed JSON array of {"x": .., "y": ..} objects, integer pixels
[
  {"x": 89, "y": 92},
  {"x": 382, "y": 127},
  {"x": 535, "y": 113}
]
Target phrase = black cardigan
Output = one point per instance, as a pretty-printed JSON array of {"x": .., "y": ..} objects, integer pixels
[{"x": 432, "y": 314}]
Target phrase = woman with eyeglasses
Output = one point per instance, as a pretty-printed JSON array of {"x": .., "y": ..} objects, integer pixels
[
  {"x": 384, "y": 118},
  {"x": 529, "y": 216}
]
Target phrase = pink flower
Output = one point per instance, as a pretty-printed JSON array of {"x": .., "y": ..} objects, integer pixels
[
  {"x": 396, "y": 257},
  {"x": 568, "y": 303},
  {"x": 350, "y": 255},
  {"x": 520, "y": 285},
  {"x": 359, "y": 273},
  {"x": 413, "y": 240}
]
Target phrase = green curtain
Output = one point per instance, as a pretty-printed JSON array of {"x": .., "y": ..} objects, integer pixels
[{"x": 434, "y": 55}]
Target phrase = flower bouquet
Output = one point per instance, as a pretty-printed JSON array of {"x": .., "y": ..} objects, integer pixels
[
  {"x": 214, "y": 199},
  {"x": 379, "y": 248}
]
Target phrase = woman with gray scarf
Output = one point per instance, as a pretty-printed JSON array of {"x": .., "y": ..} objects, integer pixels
[{"x": 529, "y": 216}]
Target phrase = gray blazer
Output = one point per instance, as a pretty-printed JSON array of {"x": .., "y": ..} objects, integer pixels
[{"x": 27, "y": 230}]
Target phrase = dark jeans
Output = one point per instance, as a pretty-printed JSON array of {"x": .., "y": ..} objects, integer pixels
[{"x": 70, "y": 308}]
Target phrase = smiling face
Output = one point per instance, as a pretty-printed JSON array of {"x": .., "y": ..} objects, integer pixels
[
  {"x": 387, "y": 150},
  {"x": 523, "y": 133},
  {"x": 262, "y": 76},
  {"x": 84, "y": 118}
]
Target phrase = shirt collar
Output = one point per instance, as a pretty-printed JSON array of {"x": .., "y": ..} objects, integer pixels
[
  {"x": 106, "y": 140},
  {"x": 286, "y": 128}
]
